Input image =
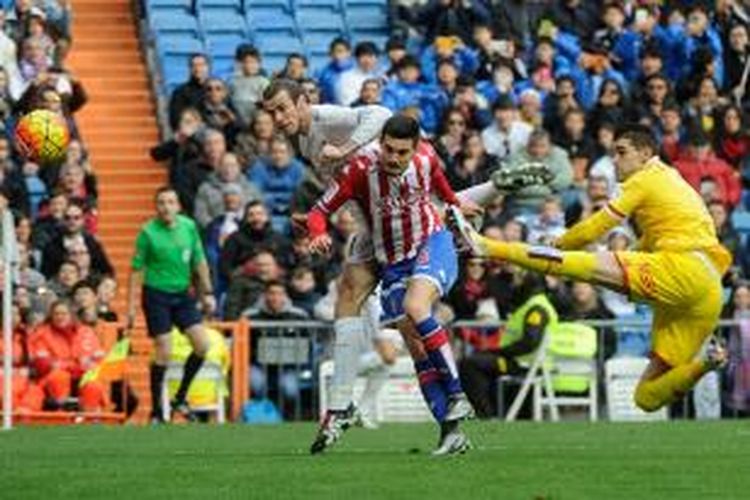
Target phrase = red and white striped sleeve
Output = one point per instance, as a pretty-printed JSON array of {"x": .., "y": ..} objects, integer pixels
[
  {"x": 341, "y": 190},
  {"x": 438, "y": 182}
]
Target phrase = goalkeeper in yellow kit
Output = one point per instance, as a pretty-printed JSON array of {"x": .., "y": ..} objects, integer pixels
[{"x": 677, "y": 269}]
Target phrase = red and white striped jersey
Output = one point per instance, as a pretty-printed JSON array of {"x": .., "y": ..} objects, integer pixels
[{"x": 398, "y": 209}]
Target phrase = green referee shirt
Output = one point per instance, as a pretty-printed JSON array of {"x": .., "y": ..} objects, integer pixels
[{"x": 168, "y": 254}]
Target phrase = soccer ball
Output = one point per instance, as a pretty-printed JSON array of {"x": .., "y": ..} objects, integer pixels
[{"x": 42, "y": 136}]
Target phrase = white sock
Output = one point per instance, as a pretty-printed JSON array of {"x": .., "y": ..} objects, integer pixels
[
  {"x": 481, "y": 194},
  {"x": 368, "y": 361},
  {"x": 376, "y": 380},
  {"x": 346, "y": 348}
]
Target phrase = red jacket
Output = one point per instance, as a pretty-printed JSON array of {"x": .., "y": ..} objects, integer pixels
[
  {"x": 693, "y": 170},
  {"x": 74, "y": 349}
]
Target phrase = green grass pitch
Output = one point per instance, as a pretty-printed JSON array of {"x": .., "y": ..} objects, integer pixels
[{"x": 675, "y": 460}]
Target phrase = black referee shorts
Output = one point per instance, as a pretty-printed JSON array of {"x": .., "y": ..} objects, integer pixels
[{"x": 164, "y": 310}]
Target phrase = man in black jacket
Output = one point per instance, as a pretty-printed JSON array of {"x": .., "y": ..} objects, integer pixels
[
  {"x": 56, "y": 251},
  {"x": 190, "y": 94},
  {"x": 255, "y": 234}
]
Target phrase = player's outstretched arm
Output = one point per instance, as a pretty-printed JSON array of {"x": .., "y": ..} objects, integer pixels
[{"x": 589, "y": 230}]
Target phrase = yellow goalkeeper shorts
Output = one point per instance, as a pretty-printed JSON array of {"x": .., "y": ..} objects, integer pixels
[{"x": 685, "y": 292}]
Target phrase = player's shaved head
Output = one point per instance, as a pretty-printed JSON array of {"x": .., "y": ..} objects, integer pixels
[{"x": 640, "y": 137}]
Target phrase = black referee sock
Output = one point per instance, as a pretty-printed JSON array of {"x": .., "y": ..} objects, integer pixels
[
  {"x": 157, "y": 379},
  {"x": 192, "y": 365}
]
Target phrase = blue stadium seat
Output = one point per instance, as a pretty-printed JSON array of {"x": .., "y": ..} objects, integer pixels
[
  {"x": 222, "y": 47},
  {"x": 279, "y": 45},
  {"x": 175, "y": 71},
  {"x": 741, "y": 224},
  {"x": 317, "y": 61},
  {"x": 171, "y": 22},
  {"x": 178, "y": 44},
  {"x": 318, "y": 43},
  {"x": 271, "y": 19},
  {"x": 223, "y": 24},
  {"x": 273, "y": 62},
  {"x": 183, "y": 6},
  {"x": 320, "y": 20},
  {"x": 366, "y": 18},
  {"x": 221, "y": 4},
  {"x": 323, "y": 4},
  {"x": 222, "y": 67},
  {"x": 251, "y": 5}
]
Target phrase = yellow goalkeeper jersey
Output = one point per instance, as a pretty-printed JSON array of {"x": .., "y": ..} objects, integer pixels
[{"x": 667, "y": 212}]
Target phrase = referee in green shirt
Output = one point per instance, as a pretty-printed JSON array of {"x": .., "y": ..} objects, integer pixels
[{"x": 169, "y": 252}]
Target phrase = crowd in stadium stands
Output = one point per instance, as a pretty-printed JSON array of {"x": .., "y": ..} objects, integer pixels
[
  {"x": 494, "y": 84},
  {"x": 65, "y": 282}
]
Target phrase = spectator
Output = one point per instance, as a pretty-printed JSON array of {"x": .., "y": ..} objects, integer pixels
[
  {"x": 395, "y": 49},
  {"x": 539, "y": 149},
  {"x": 724, "y": 230},
  {"x": 515, "y": 17},
  {"x": 448, "y": 49},
  {"x": 105, "y": 295},
  {"x": 699, "y": 33},
  {"x": 73, "y": 233},
  {"x": 699, "y": 163},
  {"x": 557, "y": 104},
  {"x": 191, "y": 93},
  {"x": 311, "y": 90},
  {"x": 185, "y": 145},
  {"x": 189, "y": 178},
  {"x": 369, "y": 94},
  {"x": 738, "y": 309},
  {"x": 530, "y": 107},
  {"x": 85, "y": 303},
  {"x": 295, "y": 68},
  {"x": 254, "y": 142},
  {"x": 61, "y": 350},
  {"x": 341, "y": 61},
  {"x": 255, "y": 234},
  {"x": 367, "y": 68},
  {"x": 209, "y": 201},
  {"x": 548, "y": 225},
  {"x": 732, "y": 139},
  {"x": 219, "y": 230},
  {"x": 610, "y": 106},
  {"x": 36, "y": 190},
  {"x": 80, "y": 255},
  {"x": 470, "y": 290},
  {"x": 407, "y": 91},
  {"x": 450, "y": 140},
  {"x": 248, "y": 282},
  {"x": 303, "y": 290},
  {"x": 50, "y": 223},
  {"x": 672, "y": 134},
  {"x": 507, "y": 135},
  {"x": 453, "y": 17},
  {"x": 577, "y": 17},
  {"x": 34, "y": 61},
  {"x": 736, "y": 58},
  {"x": 65, "y": 279},
  {"x": 472, "y": 165},
  {"x": 246, "y": 86},
  {"x": 216, "y": 109},
  {"x": 278, "y": 177},
  {"x": 576, "y": 142},
  {"x": 586, "y": 304},
  {"x": 648, "y": 110}
]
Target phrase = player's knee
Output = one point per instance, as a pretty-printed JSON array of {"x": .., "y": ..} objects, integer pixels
[
  {"x": 646, "y": 398},
  {"x": 162, "y": 349},
  {"x": 198, "y": 340},
  {"x": 416, "y": 308}
]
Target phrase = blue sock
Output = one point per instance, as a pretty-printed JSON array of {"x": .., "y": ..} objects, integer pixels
[
  {"x": 435, "y": 340},
  {"x": 432, "y": 389}
]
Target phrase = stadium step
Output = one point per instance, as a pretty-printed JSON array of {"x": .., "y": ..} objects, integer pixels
[{"x": 119, "y": 127}]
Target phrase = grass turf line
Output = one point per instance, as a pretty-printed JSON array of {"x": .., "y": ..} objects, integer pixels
[{"x": 682, "y": 460}]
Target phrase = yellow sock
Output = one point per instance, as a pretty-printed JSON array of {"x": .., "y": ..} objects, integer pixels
[
  {"x": 579, "y": 266},
  {"x": 650, "y": 395}
]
